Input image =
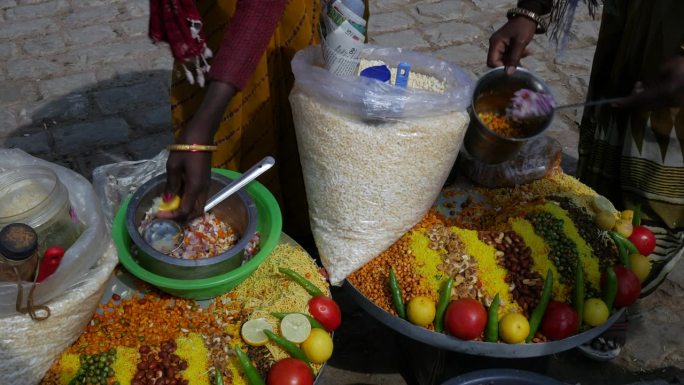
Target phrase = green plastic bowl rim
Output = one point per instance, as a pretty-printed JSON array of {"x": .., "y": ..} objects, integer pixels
[{"x": 258, "y": 192}]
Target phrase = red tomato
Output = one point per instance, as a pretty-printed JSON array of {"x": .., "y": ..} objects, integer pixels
[
  {"x": 560, "y": 321},
  {"x": 643, "y": 239},
  {"x": 465, "y": 318},
  {"x": 629, "y": 286},
  {"x": 325, "y": 311},
  {"x": 290, "y": 371}
]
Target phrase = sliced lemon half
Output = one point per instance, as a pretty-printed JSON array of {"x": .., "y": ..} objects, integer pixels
[
  {"x": 173, "y": 204},
  {"x": 295, "y": 328},
  {"x": 253, "y": 331}
]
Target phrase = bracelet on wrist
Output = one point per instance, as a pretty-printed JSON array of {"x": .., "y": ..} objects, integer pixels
[
  {"x": 541, "y": 25},
  {"x": 191, "y": 147}
]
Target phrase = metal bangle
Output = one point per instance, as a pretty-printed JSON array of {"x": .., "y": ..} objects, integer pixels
[
  {"x": 191, "y": 147},
  {"x": 541, "y": 25}
]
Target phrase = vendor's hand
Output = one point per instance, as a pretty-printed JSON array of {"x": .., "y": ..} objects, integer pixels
[
  {"x": 509, "y": 44},
  {"x": 665, "y": 89},
  {"x": 187, "y": 175}
]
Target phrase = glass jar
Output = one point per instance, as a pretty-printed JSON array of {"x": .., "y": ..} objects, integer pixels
[
  {"x": 35, "y": 196},
  {"x": 18, "y": 257}
]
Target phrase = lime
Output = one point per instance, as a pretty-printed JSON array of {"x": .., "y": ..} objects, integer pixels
[
  {"x": 602, "y": 203},
  {"x": 253, "y": 331},
  {"x": 173, "y": 204},
  {"x": 318, "y": 347},
  {"x": 295, "y": 328},
  {"x": 420, "y": 311},
  {"x": 595, "y": 312},
  {"x": 514, "y": 328}
]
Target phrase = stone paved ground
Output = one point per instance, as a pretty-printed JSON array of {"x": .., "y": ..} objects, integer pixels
[{"x": 81, "y": 85}]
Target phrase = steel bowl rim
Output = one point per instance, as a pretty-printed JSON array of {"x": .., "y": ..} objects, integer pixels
[
  {"x": 497, "y": 70},
  {"x": 233, "y": 252}
]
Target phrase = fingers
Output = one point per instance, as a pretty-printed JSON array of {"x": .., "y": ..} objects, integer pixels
[{"x": 497, "y": 49}]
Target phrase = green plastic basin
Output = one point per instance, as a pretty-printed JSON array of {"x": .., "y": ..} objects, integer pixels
[{"x": 269, "y": 226}]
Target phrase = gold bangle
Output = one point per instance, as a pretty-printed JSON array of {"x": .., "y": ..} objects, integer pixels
[
  {"x": 191, "y": 147},
  {"x": 541, "y": 25}
]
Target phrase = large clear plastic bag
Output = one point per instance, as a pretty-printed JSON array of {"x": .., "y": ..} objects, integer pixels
[
  {"x": 374, "y": 156},
  {"x": 535, "y": 160},
  {"x": 82, "y": 255},
  {"x": 117, "y": 181}
]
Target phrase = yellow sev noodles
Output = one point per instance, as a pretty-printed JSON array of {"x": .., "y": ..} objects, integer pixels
[{"x": 267, "y": 291}]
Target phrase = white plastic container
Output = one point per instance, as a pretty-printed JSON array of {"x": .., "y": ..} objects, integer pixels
[{"x": 34, "y": 195}]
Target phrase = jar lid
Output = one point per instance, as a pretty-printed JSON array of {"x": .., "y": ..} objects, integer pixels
[
  {"x": 18, "y": 241},
  {"x": 381, "y": 73}
]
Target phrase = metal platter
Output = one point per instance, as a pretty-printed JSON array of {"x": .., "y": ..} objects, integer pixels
[{"x": 455, "y": 195}]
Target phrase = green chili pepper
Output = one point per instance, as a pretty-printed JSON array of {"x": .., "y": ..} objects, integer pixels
[
  {"x": 636, "y": 220},
  {"x": 303, "y": 282},
  {"x": 621, "y": 244},
  {"x": 288, "y": 346},
  {"x": 253, "y": 377},
  {"x": 610, "y": 289},
  {"x": 578, "y": 293},
  {"x": 492, "y": 330},
  {"x": 219, "y": 376},
  {"x": 444, "y": 298},
  {"x": 314, "y": 324},
  {"x": 396, "y": 294},
  {"x": 538, "y": 312}
]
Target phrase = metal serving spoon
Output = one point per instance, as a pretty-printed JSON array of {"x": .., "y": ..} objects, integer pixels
[{"x": 166, "y": 235}]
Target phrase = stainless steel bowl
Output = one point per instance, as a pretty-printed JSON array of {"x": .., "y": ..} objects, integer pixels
[
  {"x": 493, "y": 92},
  {"x": 238, "y": 211}
]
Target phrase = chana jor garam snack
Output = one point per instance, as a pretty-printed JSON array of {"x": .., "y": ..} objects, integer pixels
[
  {"x": 154, "y": 336},
  {"x": 504, "y": 242}
]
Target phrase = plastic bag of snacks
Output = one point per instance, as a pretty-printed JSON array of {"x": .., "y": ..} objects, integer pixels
[
  {"x": 374, "y": 155},
  {"x": 71, "y": 293},
  {"x": 536, "y": 159}
]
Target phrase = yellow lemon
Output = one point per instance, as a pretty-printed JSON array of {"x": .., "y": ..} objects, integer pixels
[
  {"x": 253, "y": 331},
  {"x": 595, "y": 312},
  {"x": 514, "y": 328},
  {"x": 627, "y": 215},
  {"x": 605, "y": 220},
  {"x": 640, "y": 265},
  {"x": 624, "y": 227},
  {"x": 173, "y": 204},
  {"x": 318, "y": 347},
  {"x": 420, "y": 311}
]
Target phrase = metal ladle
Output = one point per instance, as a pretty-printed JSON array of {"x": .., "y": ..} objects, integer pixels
[{"x": 166, "y": 235}]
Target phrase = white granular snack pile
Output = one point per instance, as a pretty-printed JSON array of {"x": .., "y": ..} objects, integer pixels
[
  {"x": 367, "y": 183},
  {"x": 415, "y": 80}
]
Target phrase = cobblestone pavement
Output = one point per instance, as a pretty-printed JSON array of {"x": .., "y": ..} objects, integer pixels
[{"x": 81, "y": 85}]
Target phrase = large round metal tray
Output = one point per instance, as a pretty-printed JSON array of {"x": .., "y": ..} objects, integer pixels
[{"x": 489, "y": 349}]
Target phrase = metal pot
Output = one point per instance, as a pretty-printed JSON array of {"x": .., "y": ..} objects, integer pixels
[
  {"x": 238, "y": 211},
  {"x": 493, "y": 92}
]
